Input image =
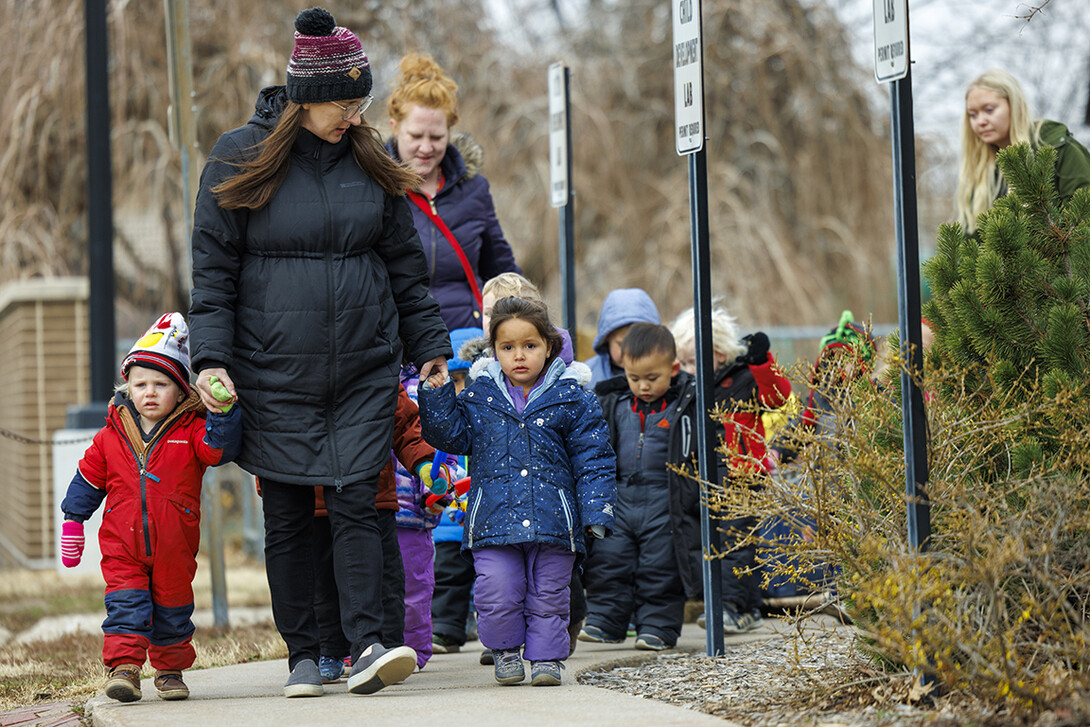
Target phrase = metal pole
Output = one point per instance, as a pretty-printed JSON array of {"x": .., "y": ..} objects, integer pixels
[
  {"x": 707, "y": 467},
  {"x": 182, "y": 113},
  {"x": 183, "y": 133},
  {"x": 908, "y": 312},
  {"x": 213, "y": 525},
  {"x": 567, "y": 228},
  {"x": 100, "y": 233}
]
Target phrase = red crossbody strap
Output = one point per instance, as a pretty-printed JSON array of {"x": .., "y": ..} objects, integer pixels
[{"x": 425, "y": 207}]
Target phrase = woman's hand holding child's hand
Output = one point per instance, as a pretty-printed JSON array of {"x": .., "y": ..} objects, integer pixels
[
  {"x": 213, "y": 384},
  {"x": 433, "y": 374},
  {"x": 222, "y": 394}
]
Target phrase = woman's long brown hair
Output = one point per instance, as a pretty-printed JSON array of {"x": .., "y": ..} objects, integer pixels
[{"x": 261, "y": 177}]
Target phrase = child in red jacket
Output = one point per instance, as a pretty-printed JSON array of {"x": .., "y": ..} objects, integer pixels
[{"x": 147, "y": 463}]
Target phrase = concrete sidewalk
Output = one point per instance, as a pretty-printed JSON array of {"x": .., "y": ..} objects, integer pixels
[{"x": 453, "y": 690}]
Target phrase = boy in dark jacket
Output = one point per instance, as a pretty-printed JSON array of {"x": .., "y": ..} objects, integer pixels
[
  {"x": 645, "y": 570},
  {"x": 147, "y": 463}
]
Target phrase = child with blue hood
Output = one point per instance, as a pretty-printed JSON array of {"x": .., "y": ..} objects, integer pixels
[{"x": 620, "y": 309}]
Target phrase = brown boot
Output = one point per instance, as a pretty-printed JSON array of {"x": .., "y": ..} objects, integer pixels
[
  {"x": 169, "y": 685},
  {"x": 123, "y": 683}
]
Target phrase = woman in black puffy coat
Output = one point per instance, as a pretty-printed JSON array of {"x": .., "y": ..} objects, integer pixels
[{"x": 309, "y": 286}]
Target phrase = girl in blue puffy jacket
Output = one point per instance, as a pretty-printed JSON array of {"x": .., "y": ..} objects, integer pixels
[{"x": 542, "y": 472}]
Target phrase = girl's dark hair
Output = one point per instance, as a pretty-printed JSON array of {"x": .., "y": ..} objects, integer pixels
[
  {"x": 259, "y": 178},
  {"x": 533, "y": 312}
]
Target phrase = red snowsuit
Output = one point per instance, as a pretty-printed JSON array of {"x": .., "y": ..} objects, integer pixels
[{"x": 151, "y": 525}]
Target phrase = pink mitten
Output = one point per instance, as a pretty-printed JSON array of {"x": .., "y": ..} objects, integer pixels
[{"x": 71, "y": 543}]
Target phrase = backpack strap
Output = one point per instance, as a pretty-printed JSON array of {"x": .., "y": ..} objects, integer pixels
[{"x": 426, "y": 208}]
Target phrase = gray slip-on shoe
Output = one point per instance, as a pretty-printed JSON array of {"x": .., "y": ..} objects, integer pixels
[
  {"x": 304, "y": 680},
  {"x": 379, "y": 667}
]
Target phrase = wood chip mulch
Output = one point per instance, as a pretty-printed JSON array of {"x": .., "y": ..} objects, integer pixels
[{"x": 816, "y": 679}]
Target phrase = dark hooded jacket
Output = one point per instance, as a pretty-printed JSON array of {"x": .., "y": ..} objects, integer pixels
[
  {"x": 465, "y": 205},
  {"x": 307, "y": 303}
]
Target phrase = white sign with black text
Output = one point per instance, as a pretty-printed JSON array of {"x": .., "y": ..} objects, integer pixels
[
  {"x": 890, "y": 40},
  {"x": 558, "y": 136},
  {"x": 688, "y": 77}
]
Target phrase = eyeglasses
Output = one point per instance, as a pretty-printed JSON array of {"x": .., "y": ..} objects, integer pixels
[{"x": 348, "y": 112}]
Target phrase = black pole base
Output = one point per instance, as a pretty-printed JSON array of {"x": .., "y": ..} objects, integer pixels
[{"x": 85, "y": 416}]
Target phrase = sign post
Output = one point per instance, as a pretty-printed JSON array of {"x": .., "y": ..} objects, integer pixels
[
  {"x": 560, "y": 186},
  {"x": 689, "y": 140},
  {"x": 891, "y": 64}
]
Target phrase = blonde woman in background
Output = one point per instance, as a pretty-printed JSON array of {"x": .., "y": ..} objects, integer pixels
[{"x": 996, "y": 116}]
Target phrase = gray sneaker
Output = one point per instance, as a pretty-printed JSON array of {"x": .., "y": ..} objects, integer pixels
[
  {"x": 651, "y": 642},
  {"x": 379, "y": 667},
  {"x": 545, "y": 673},
  {"x": 304, "y": 680},
  {"x": 736, "y": 622},
  {"x": 508, "y": 666}
]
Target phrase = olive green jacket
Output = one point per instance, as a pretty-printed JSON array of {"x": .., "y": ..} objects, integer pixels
[{"x": 1072, "y": 159}]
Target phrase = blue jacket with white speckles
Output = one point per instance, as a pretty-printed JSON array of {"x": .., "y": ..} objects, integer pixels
[{"x": 542, "y": 476}]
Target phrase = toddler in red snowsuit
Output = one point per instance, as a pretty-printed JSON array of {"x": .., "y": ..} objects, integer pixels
[{"x": 147, "y": 463}]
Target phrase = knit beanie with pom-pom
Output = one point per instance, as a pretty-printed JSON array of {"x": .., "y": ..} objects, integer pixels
[{"x": 328, "y": 62}]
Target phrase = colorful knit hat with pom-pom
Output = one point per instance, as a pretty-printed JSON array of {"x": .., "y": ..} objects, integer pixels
[
  {"x": 165, "y": 348},
  {"x": 328, "y": 62}
]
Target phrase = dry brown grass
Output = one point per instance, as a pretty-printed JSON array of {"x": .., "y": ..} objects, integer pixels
[
  {"x": 799, "y": 170},
  {"x": 70, "y": 668}
]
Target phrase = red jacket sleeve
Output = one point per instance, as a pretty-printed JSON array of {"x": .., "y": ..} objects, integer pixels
[
  {"x": 93, "y": 464},
  {"x": 773, "y": 387}
]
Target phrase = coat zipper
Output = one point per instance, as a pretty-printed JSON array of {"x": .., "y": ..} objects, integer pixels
[
  {"x": 434, "y": 241},
  {"x": 331, "y": 387},
  {"x": 142, "y": 463},
  {"x": 473, "y": 517},
  {"x": 568, "y": 518}
]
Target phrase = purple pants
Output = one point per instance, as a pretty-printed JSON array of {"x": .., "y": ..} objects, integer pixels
[
  {"x": 418, "y": 555},
  {"x": 522, "y": 598}
]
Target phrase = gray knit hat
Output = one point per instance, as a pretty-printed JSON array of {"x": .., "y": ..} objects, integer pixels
[{"x": 328, "y": 62}]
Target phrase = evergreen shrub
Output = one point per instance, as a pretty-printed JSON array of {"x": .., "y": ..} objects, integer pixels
[{"x": 998, "y": 604}]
